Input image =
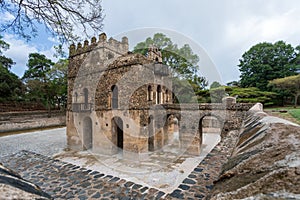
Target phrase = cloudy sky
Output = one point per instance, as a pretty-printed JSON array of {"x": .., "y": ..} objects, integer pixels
[{"x": 222, "y": 29}]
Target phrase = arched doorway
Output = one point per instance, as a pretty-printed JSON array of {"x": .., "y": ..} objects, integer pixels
[
  {"x": 173, "y": 129},
  {"x": 150, "y": 133},
  {"x": 87, "y": 133},
  {"x": 117, "y": 133},
  {"x": 209, "y": 129}
]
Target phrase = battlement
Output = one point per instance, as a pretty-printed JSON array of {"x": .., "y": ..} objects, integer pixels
[{"x": 113, "y": 44}]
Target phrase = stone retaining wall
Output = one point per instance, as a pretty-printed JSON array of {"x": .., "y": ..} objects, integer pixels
[
  {"x": 265, "y": 163},
  {"x": 17, "y": 121}
]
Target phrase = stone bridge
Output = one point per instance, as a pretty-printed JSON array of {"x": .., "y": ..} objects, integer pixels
[{"x": 189, "y": 119}]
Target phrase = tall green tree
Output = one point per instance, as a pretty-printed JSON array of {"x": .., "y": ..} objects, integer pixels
[
  {"x": 289, "y": 83},
  {"x": 59, "y": 17},
  {"x": 183, "y": 62},
  {"x": 4, "y": 61},
  {"x": 215, "y": 84},
  {"x": 37, "y": 79},
  {"x": 266, "y": 61},
  {"x": 10, "y": 85},
  {"x": 59, "y": 83}
]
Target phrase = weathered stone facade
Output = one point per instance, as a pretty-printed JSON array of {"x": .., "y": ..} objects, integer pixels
[{"x": 120, "y": 101}]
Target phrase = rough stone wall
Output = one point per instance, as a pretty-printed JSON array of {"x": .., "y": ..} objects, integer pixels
[
  {"x": 94, "y": 70},
  {"x": 17, "y": 121},
  {"x": 107, "y": 83},
  {"x": 265, "y": 162}
]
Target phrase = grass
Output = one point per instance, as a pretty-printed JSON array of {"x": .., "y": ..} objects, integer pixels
[
  {"x": 295, "y": 113},
  {"x": 292, "y": 114}
]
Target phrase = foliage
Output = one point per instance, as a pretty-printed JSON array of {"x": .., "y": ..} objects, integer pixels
[
  {"x": 10, "y": 85},
  {"x": 183, "y": 62},
  {"x": 59, "y": 82},
  {"x": 204, "y": 96},
  {"x": 60, "y": 17},
  {"x": 267, "y": 61},
  {"x": 234, "y": 83},
  {"x": 4, "y": 61},
  {"x": 37, "y": 79},
  {"x": 215, "y": 84},
  {"x": 289, "y": 83},
  {"x": 243, "y": 95},
  {"x": 46, "y": 81}
]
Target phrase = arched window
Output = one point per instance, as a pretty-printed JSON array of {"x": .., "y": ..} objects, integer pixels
[
  {"x": 167, "y": 95},
  {"x": 150, "y": 93},
  {"x": 158, "y": 96},
  {"x": 75, "y": 97},
  {"x": 86, "y": 97},
  {"x": 114, "y": 90}
]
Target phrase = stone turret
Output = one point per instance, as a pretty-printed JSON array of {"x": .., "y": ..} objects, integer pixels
[
  {"x": 154, "y": 54},
  {"x": 120, "y": 47}
]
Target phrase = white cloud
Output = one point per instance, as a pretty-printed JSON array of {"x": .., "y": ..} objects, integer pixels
[
  {"x": 6, "y": 16},
  {"x": 259, "y": 29},
  {"x": 225, "y": 29},
  {"x": 19, "y": 52}
]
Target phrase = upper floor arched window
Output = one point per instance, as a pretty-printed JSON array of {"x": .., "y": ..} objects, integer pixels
[
  {"x": 158, "y": 96},
  {"x": 114, "y": 99},
  {"x": 150, "y": 93}
]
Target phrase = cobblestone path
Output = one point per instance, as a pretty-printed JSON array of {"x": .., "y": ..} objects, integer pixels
[{"x": 66, "y": 181}]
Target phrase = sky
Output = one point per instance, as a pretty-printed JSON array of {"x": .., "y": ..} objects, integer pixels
[{"x": 219, "y": 30}]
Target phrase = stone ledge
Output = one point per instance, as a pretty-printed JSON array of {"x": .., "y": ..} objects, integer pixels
[{"x": 265, "y": 160}]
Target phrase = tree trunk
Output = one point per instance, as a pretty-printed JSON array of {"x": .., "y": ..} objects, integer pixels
[
  {"x": 296, "y": 99},
  {"x": 49, "y": 108}
]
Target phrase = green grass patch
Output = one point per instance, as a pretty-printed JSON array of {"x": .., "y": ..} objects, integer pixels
[
  {"x": 291, "y": 112},
  {"x": 295, "y": 113}
]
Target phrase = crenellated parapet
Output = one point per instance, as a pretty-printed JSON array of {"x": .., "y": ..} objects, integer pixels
[{"x": 120, "y": 47}]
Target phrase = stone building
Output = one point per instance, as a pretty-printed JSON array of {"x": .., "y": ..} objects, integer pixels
[
  {"x": 121, "y": 102},
  {"x": 111, "y": 94}
]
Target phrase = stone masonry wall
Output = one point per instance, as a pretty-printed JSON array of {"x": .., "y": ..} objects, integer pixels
[
  {"x": 265, "y": 161},
  {"x": 16, "y": 121}
]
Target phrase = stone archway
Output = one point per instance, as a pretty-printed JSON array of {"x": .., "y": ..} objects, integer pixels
[
  {"x": 172, "y": 129},
  {"x": 207, "y": 123},
  {"x": 151, "y": 133},
  {"x": 87, "y": 133}
]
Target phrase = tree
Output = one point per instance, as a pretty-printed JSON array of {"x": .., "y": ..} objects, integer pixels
[
  {"x": 267, "y": 61},
  {"x": 60, "y": 17},
  {"x": 4, "y": 61},
  {"x": 183, "y": 62},
  {"x": 243, "y": 95},
  {"x": 290, "y": 83},
  {"x": 215, "y": 84},
  {"x": 59, "y": 82},
  {"x": 37, "y": 79},
  {"x": 10, "y": 85}
]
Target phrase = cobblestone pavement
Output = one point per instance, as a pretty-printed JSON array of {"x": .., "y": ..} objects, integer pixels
[
  {"x": 67, "y": 181},
  {"x": 37, "y": 141}
]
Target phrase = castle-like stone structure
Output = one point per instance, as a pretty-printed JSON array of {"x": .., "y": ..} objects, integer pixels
[{"x": 119, "y": 101}]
